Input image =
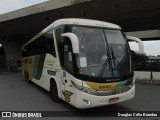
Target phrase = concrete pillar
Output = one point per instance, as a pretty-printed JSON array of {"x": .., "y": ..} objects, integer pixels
[
  {"x": 3, "y": 66},
  {"x": 147, "y": 34},
  {"x": 12, "y": 50}
]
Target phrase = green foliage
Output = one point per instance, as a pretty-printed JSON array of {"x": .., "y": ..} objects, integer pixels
[{"x": 138, "y": 59}]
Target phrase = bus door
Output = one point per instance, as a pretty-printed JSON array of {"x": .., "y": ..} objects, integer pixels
[{"x": 66, "y": 85}]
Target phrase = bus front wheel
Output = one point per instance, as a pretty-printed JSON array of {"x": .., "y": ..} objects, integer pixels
[{"x": 54, "y": 92}]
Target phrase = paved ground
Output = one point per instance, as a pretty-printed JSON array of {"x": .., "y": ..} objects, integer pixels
[{"x": 17, "y": 95}]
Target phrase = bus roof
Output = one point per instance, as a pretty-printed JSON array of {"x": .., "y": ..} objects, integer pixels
[
  {"x": 75, "y": 21},
  {"x": 85, "y": 22}
]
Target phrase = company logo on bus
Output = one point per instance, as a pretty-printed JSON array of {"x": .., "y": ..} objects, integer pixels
[{"x": 112, "y": 80}]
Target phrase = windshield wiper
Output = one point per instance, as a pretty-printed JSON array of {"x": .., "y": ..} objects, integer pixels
[
  {"x": 114, "y": 58},
  {"x": 108, "y": 60}
]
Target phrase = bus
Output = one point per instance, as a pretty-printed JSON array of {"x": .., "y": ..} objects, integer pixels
[{"x": 86, "y": 63}]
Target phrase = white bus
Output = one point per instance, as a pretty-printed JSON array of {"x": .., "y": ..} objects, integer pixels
[{"x": 86, "y": 63}]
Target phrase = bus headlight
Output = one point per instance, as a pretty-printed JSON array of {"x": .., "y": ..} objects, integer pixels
[{"x": 83, "y": 89}]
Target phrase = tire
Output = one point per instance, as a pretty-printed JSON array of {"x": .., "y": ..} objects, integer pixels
[{"x": 54, "y": 92}]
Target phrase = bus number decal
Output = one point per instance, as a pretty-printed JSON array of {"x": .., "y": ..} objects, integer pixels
[{"x": 105, "y": 86}]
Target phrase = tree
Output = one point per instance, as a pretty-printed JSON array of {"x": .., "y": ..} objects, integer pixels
[{"x": 139, "y": 60}]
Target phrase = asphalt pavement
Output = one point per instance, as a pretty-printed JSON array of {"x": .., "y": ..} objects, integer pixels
[{"x": 18, "y": 95}]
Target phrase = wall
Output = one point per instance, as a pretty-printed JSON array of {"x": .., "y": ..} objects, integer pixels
[
  {"x": 141, "y": 75},
  {"x": 3, "y": 66},
  {"x": 12, "y": 50}
]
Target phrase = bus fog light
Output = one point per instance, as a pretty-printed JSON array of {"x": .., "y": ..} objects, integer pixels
[{"x": 87, "y": 101}]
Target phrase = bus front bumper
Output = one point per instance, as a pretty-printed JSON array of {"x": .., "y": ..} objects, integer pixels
[{"x": 84, "y": 100}]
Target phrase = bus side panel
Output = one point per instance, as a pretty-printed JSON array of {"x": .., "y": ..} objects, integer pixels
[
  {"x": 50, "y": 71},
  {"x": 45, "y": 68},
  {"x": 38, "y": 70},
  {"x": 38, "y": 66}
]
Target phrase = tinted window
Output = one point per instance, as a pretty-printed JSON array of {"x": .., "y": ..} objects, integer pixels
[
  {"x": 43, "y": 44},
  {"x": 68, "y": 55},
  {"x": 64, "y": 48}
]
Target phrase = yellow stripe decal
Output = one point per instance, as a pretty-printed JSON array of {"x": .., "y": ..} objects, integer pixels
[
  {"x": 109, "y": 86},
  {"x": 101, "y": 86}
]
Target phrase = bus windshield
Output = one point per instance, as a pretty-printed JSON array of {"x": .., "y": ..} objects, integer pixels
[{"x": 103, "y": 52}]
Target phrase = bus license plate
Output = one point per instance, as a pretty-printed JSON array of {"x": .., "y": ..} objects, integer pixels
[{"x": 112, "y": 100}]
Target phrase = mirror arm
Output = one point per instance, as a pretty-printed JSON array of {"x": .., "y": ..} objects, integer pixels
[
  {"x": 74, "y": 41},
  {"x": 139, "y": 41}
]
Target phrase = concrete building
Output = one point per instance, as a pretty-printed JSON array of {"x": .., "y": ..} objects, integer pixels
[{"x": 134, "y": 16}]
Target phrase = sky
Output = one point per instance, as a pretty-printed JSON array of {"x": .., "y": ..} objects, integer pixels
[
  {"x": 150, "y": 47},
  {"x": 11, "y": 5}
]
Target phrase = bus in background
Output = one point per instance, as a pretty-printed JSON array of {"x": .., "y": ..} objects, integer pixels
[{"x": 86, "y": 63}]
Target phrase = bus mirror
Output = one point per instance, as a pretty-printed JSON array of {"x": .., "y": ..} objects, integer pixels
[
  {"x": 139, "y": 41},
  {"x": 74, "y": 41}
]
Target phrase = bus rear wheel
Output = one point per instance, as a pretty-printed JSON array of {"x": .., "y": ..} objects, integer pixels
[{"x": 54, "y": 92}]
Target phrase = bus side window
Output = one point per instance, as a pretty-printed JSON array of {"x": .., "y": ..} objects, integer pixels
[
  {"x": 49, "y": 43},
  {"x": 40, "y": 44},
  {"x": 64, "y": 49},
  {"x": 68, "y": 54},
  {"x": 59, "y": 31},
  {"x": 59, "y": 39},
  {"x": 36, "y": 47}
]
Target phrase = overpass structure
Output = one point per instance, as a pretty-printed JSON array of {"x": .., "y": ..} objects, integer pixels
[{"x": 19, "y": 26}]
